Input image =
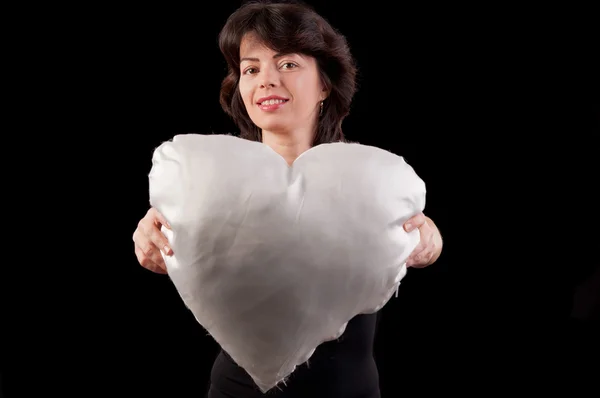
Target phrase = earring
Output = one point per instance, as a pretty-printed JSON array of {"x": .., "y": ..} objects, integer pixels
[{"x": 321, "y": 112}]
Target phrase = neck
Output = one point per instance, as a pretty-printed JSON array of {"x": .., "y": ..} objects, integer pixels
[{"x": 288, "y": 145}]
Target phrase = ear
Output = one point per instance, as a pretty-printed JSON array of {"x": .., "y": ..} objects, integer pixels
[
  {"x": 324, "y": 94},
  {"x": 324, "y": 90}
]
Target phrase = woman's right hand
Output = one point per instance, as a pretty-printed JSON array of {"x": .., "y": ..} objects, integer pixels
[{"x": 149, "y": 241}]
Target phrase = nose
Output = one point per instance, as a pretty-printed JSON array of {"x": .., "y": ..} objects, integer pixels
[{"x": 269, "y": 78}]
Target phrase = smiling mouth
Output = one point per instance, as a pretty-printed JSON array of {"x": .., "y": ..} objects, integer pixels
[
  {"x": 272, "y": 105},
  {"x": 273, "y": 102}
]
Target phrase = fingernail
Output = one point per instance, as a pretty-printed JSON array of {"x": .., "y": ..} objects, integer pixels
[
  {"x": 408, "y": 226},
  {"x": 167, "y": 250}
]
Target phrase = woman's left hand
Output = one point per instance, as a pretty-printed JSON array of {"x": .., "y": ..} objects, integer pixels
[{"x": 430, "y": 246}]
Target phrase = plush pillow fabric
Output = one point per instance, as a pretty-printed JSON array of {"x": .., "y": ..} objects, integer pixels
[{"x": 272, "y": 259}]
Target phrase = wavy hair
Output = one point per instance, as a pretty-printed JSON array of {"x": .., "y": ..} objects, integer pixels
[{"x": 290, "y": 27}]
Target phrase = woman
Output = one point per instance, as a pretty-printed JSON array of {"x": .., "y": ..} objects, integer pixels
[{"x": 290, "y": 83}]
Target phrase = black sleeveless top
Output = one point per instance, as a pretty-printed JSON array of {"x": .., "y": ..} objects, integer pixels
[{"x": 342, "y": 368}]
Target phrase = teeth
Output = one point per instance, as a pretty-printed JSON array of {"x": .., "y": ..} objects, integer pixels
[{"x": 272, "y": 102}]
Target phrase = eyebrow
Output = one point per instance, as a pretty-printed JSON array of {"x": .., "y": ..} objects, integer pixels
[{"x": 278, "y": 55}]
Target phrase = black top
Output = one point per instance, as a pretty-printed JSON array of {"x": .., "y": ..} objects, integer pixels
[{"x": 342, "y": 368}]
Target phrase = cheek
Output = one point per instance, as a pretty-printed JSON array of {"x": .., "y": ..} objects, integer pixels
[
  {"x": 246, "y": 94},
  {"x": 307, "y": 88}
]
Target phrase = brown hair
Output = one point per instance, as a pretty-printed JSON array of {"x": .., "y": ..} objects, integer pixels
[{"x": 290, "y": 27}]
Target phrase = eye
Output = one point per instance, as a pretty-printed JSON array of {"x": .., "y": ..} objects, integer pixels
[
  {"x": 289, "y": 65},
  {"x": 249, "y": 71}
]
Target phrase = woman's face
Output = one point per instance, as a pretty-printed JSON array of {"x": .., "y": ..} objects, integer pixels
[{"x": 281, "y": 92}]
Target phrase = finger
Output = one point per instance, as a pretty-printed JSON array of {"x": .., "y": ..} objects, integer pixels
[
  {"x": 159, "y": 268},
  {"x": 150, "y": 251},
  {"x": 159, "y": 217},
  {"x": 423, "y": 247},
  {"x": 162, "y": 267},
  {"x": 135, "y": 236},
  {"x": 159, "y": 240},
  {"x": 418, "y": 249},
  {"x": 415, "y": 257},
  {"x": 148, "y": 263},
  {"x": 422, "y": 252},
  {"x": 139, "y": 236},
  {"x": 414, "y": 222},
  {"x": 157, "y": 258},
  {"x": 425, "y": 239},
  {"x": 150, "y": 233},
  {"x": 421, "y": 259},
  {"x": 149, "y": 248}
]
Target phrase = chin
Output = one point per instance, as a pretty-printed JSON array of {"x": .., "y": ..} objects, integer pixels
[{"x": 274, "y": 127}]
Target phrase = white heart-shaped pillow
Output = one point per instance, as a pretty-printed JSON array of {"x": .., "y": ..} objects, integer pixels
[{"x": 274, "y": 260}]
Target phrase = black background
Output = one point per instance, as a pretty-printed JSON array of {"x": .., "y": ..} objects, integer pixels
[{"x": 469, "y": 99}]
